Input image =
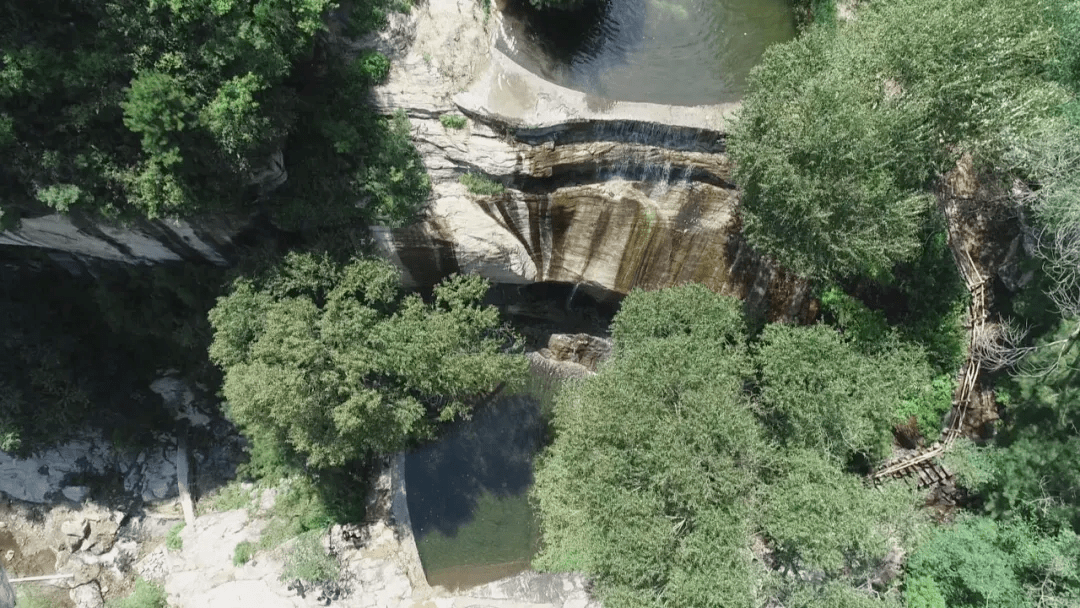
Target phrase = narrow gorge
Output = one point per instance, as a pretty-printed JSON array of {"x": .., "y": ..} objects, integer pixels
[{"x": 594, "y": 194}]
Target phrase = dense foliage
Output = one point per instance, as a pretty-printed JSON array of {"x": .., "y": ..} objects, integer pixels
[
  {"x": 845, "y": 128},
  {"x": 337, "y": 363},
  {"x": 665, "y": 467},
  {"x": 177, "y": 108},
  {"x": 979, "y": 563},
  {"x": 1037, "y": 457},
  {"x": 845, "y": 137},
  {"x": 80, "y": 353}
]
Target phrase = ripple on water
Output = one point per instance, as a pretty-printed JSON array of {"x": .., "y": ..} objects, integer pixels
[{"x": 678, "y": 52}]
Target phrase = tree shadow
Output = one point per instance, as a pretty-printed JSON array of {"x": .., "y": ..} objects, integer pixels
[{"x": 492, "y": 453}]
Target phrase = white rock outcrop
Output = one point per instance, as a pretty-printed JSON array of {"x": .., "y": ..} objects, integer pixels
[
  {"x": 608, "y": 194},
  {"x": 140, "y": 242}
]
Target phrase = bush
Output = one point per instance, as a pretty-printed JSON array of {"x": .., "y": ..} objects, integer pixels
[
  {"x": 307, "y": 561},
  {"x": 172, "y": 539},
  {"x": 844, "y": 129},
  {"x": 453, "y": 121},
  {"x": 480, "y": 185},
  {"x": 243, "y": 553},
  {"x": 374, "y": 66},
  {"x": 298, "y": 510},
  {"x": 145, "y": 595},
  {"x": 227, "y": 498},
  {"x": 394, "y": 175},
  {"x": 928, "y": 406}
]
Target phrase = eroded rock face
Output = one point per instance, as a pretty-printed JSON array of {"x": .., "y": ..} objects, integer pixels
[
  {"x": 139, "y": 242},
  {"x": 608, "y": 194},
  {"x": 583, "y": 349}
]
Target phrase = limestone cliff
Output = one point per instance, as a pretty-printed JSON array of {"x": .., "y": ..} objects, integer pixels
[
  {"x": 606, "y": 194},
  {"x": 137, "y": 242}
]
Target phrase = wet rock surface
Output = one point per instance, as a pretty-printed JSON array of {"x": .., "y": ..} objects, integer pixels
[{"x": 614, "y": 195}]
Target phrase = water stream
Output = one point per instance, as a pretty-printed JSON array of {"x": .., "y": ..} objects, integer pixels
[{"x": 678, "y": 52}]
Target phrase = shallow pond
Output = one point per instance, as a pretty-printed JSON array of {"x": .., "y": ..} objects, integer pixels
[
  {"x": 468, "y": 493},
  {"x": 680, "y": 52}
]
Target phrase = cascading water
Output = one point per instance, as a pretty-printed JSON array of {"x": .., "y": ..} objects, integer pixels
[{"x": 602, "y": 197}]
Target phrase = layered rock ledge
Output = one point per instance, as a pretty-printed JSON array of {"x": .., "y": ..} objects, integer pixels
[{"x": 607, "y": 194}]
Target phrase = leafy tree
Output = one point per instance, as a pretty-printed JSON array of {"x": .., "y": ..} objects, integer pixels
[
  {"x": 661, "y": 472},
  {"x": 832, "y": 595},
  {"x": 820, "y": 392},
  {"x": 822, "y": 519},
  {"x": 1037, "y": 456},
  {"x": 172, "y": 108},
  {"x": 336, "y": 363},
  {"x": 978, "y": 562},
  {"x": 649, "y": 483},
  {"x": 845, "y": 128}
]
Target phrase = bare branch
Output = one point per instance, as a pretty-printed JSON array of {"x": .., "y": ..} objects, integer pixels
[{"x": 997, "y": 345}]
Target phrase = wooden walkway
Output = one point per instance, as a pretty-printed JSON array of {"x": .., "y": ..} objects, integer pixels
[{"x": 923, "y": 465}]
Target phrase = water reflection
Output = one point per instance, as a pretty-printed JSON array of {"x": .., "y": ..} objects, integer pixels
[
  {"x": 681, "y": 52},
  {"x": 468, "y": 495}
]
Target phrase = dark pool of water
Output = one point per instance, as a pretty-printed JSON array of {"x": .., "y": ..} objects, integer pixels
[
  {"x": 680, "y": 52},
  {"x": 468, "y": 495}
]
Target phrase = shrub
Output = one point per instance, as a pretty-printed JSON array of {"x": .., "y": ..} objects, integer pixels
[
  {"x": 480, "y": 185},
  {"x": 298, "y": 509},
  {"x": 227, "y": 498},
  {"x": 453, "y": 121},
  {"x": 307, "y": 560},
  {"x": 145, "y": 595},
  {"x": 173, "y": 540},
  {"x": 395, "y": 175},
  {"x": 928, "y": 405},
  {"x": 243, "y": 553},
  {"x": 374, "y": 66}
]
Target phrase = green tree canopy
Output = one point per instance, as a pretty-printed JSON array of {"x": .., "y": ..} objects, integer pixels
[
  {"x": 978, "y": 562},
  {"x": 822, "y": 519},
  {"x": 845, "y": 128},
  {"x": 1037, "y": 453},
  {"x": 662, "y": 474},
  {"x": 173, "y": 108},
  {"x": 649, "y": 483},
  {"x": 336, "y": 363},
  {"x": 823, "y": 393}
]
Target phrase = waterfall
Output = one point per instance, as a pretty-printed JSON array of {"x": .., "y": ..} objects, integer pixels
[{"x": 573, "y": 292}]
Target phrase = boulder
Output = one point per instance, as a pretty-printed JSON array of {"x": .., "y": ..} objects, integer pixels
[
  {"x": 87, "y": 596},
  {"x": 582, "y": 349}
]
